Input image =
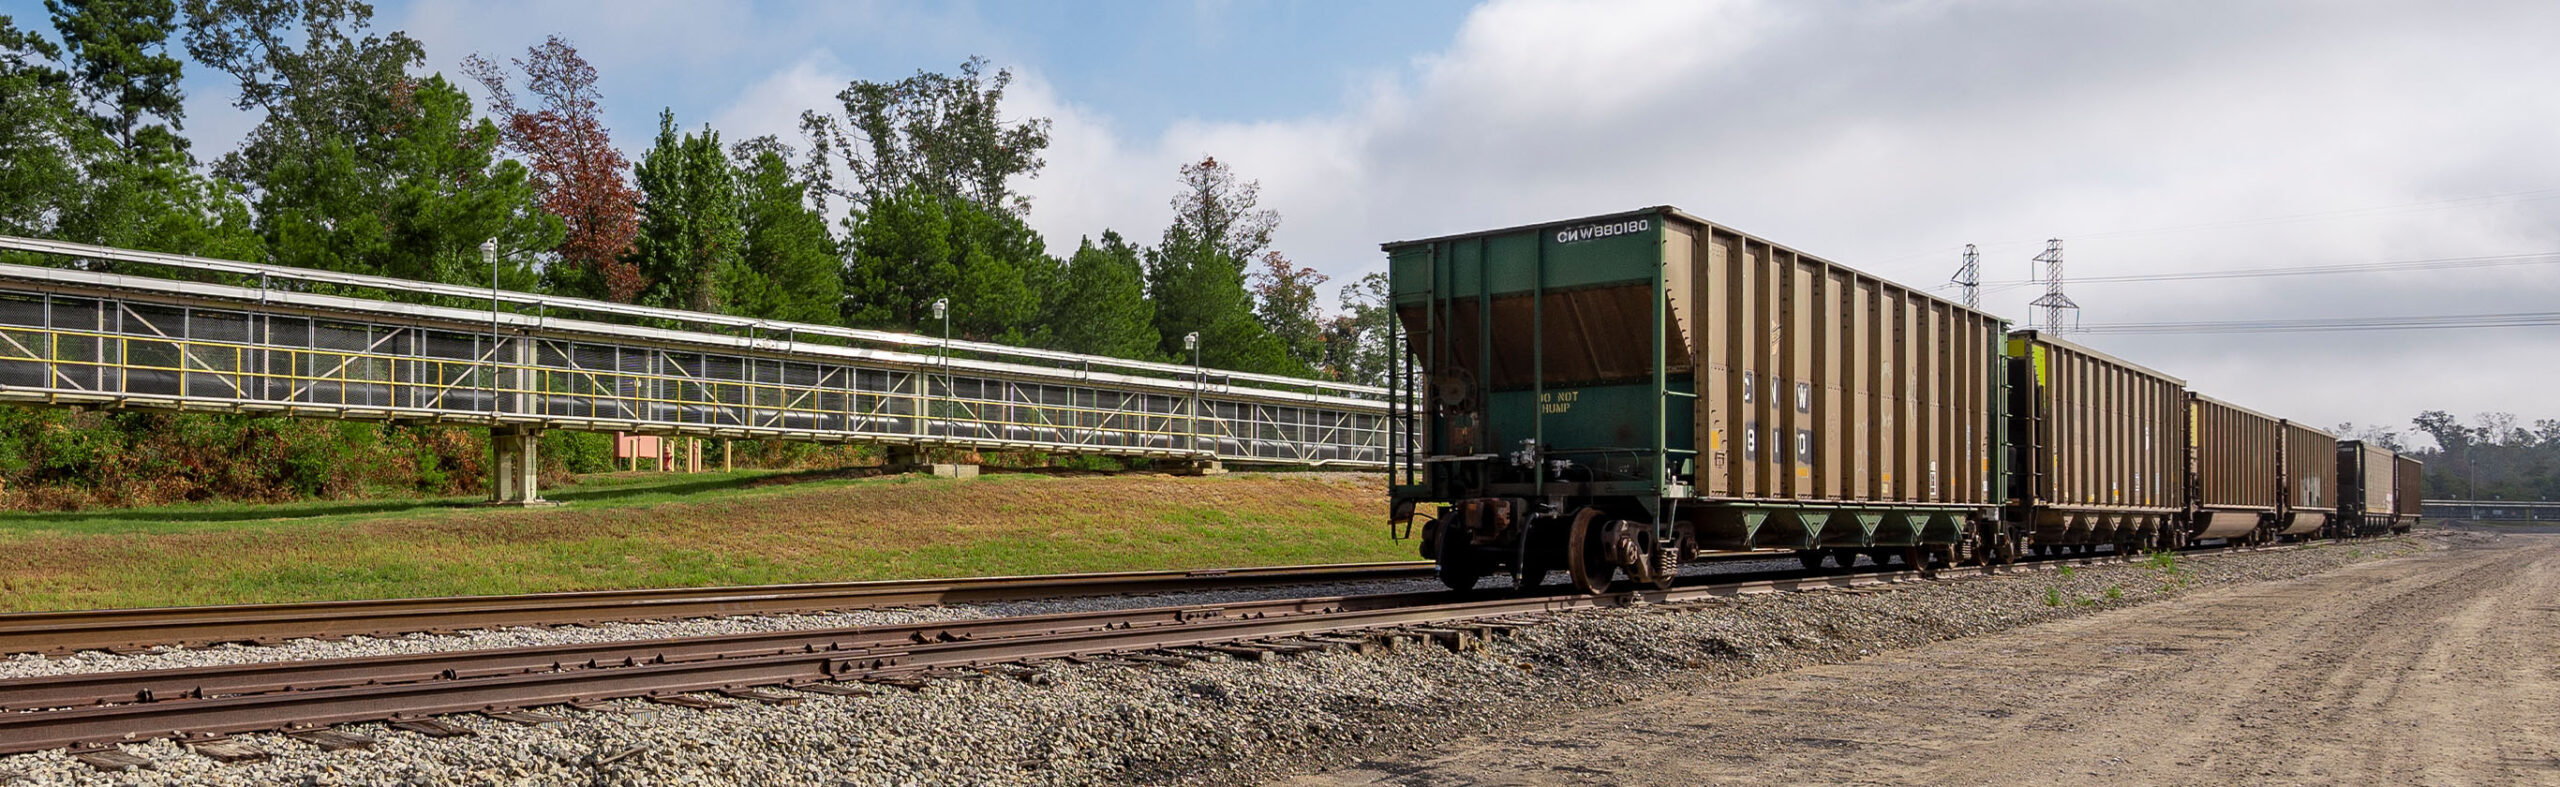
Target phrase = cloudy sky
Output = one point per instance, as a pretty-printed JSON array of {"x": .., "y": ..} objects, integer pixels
[{"x": 2152, "y": 136}]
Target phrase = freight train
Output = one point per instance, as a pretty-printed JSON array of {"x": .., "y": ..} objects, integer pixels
[{"x": 1611, "y": 395}]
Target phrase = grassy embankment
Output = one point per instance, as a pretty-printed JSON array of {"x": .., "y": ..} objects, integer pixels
[{"x": 654, "y": 530}]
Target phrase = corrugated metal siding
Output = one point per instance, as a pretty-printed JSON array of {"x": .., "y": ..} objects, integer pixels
[
  {"x": 2366, "y": 470},
  {"x": 1822, "y": 383},
  {"x": 2102, "y": 433},
  {"x": 2310, "y": 468},
  {"x": 2310, "y": 477},
  {"x": 2238, "y": 456},
  {"x": 2408, "y": 483}
]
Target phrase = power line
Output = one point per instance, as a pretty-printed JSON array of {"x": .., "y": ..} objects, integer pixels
[
  {"x": 2398, "y": 323},
  {"x": 2437, "y": 263},
  {"x": 2482, "y": 200}
]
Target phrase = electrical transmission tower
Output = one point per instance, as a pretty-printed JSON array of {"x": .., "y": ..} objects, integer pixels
[
  {"x": 1970, "y": 276},
  {"x": 2054, "y": 302}
]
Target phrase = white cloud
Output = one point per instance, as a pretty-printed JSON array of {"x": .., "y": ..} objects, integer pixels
[{"x": 1874, "y": 135}]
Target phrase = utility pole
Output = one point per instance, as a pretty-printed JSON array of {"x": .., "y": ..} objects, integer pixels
[
  {"x": 2053, "y": 302},
  {"x": 1970, "y": 276}
]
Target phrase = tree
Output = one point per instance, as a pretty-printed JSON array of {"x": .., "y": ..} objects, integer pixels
[
  {"x": 936, "y": 134},
  {"x": 1101, "y": 306},
  {"x": 690, "y": 237},
  {"x": 789, "y": 269},
  {"x": 413, "y": 203},
  {"x": 1287, "y": 307},
  {"x": 38, "y": 170},
  {"x": 1196, "y": 275},
  {"x": 576, "y": 168},
  {"x": 914, "y": 248},
  {"x": 337, "y": 85},
  {"x": 120, "y": 62},
  {"x": 1362, "y": 349}
]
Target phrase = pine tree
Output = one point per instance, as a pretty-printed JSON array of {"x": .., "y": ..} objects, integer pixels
[
  {"x": 121, "y": 64},
  {"x": 1196, "y": 277},
  {"x": 1101, "y": 306},
  {"x": 690, "y": 237},
  {"x": 789, "y": 268}
]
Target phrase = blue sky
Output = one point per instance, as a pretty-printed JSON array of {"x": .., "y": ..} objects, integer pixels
[
  {"x": 1146, "y": 65},
  {"x": 2153, "y": 136}
]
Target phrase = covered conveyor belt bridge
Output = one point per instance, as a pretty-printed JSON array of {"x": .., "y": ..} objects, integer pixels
[{"x": 241, "y": 337}]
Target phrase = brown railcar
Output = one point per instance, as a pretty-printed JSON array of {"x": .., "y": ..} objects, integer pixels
[
  {"x": 2236, "y": 470},
  {"x": 2310, "y": 481},
  {"x": 2100, "y": 442},
  {"x": 2366, "y": 488},
  {"x": 2408, "y": 483}
]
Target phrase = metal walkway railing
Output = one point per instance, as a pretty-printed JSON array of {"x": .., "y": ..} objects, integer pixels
[{"x": 259, "y": 338}]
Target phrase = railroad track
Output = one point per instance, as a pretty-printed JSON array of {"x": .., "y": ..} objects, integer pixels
[
  {"x": 126, "y": 630},
  {"x": 209, "y": 702},
  {"x": 132, "y": 629}
]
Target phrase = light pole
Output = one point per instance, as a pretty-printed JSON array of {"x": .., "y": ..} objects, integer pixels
[
  {"x": 489, "y": 254},
  {"x": 1191, "y": 341},
  {"x": 942, "y": 311}
]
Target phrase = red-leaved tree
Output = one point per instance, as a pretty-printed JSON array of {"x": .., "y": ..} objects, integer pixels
[{"x": 581, "y": 175}]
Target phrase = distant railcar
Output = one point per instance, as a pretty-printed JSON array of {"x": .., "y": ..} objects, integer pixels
[
  {"x": 2368, "y": 488},
  {"x": 2236, "y": 471},
  {"x": 2408, "y": 481},
  {"x": 2310, "y": 481}
]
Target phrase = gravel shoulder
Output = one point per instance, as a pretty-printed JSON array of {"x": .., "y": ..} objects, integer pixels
[
  {"x": 2434, "y": 669},
  {"x": 1217, "y": 720}
]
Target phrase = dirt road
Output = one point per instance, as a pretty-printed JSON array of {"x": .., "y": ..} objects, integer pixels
[{"x": 2439, "y": 668}]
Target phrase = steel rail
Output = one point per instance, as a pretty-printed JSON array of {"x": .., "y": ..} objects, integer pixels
[
  {"x": 123, "y": 629},
  {"x": 67, "y": 631},
  {"x": 454, "y": 692},
  {"x": 100, "y": 688}
]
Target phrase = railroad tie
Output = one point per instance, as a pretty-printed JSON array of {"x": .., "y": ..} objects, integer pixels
[
  {"x": 690, "y": 701},
  {"x": 527, "y": 718},
  {"x": 111, "y": 760},
  {"x": 332, "y": 740},
  {"x": 432, "y": 728},
  {"x": 835, "y": 689},
  {"x": 760, "y": 696},
  {"x": 227, "y": 751}
]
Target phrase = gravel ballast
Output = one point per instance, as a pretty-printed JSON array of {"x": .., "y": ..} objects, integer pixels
[
  {"x": 1214, "y": 721},
  {"x": 27, "y": 665}
]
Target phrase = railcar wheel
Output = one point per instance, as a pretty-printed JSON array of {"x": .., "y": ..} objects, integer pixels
[
  {"x": 1916, "y": 558},
  {"x": 2005, "y": 549},
  {"x": 1963, "y": 552},
  {"x": 1585, "y": 558},
  {"x": 1459, "y": 568}
]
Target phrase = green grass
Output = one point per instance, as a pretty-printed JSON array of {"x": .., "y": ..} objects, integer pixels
[
  {"x": 656, "y": 530},
  {"x": 604, "y": 490}
]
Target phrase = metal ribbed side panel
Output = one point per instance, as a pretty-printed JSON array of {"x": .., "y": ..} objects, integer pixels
[
  {"x": 2238, "y": 456},
  {"x": 2099, "y": 432},
  {"x": 2310, "y": 468},
  {"x": 1820, "y": 383},
  {"x": 2408, "y": 485}
]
